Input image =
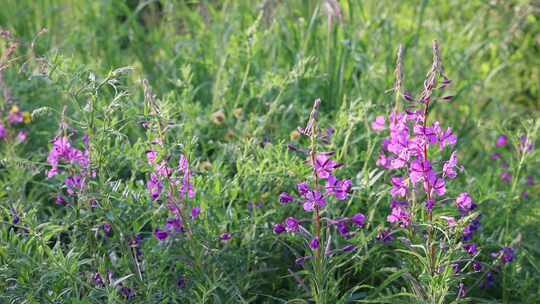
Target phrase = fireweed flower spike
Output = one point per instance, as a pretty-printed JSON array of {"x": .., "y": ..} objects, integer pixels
[
  {"x": 164, "y": 183},
  {"x": 76, "y": 163},
  {"x": 409, "y": 152},
  {"x": 316, "y": 192},
  {"x": 180, "y": 189}
]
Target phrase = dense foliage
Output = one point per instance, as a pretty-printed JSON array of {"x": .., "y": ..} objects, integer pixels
[{"x": 269, "y": 151}]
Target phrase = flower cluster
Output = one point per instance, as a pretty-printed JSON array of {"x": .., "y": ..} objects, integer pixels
[
  {"x": 419, "y": 152},
  {"x": 180, "y": 188},
  {"x": 70, "y": 162},
  {"x": 406, "y": 151},
  {"x": 173, "y": 185},
  {"x": 315, "y": 193}
]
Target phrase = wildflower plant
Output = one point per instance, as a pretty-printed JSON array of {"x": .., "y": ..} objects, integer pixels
[
  {"x": 165, "y": 183},
  {"x": 316, "y": 195},
  {"x": 436, "y": 226},
  {"x": 70, "y": 164}
]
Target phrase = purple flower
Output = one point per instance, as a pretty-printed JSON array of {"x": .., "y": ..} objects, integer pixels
[
  {"x": 429, "y": 204},
  {"x": 2, "y": 131},
  {"x": 324, "y": 166},
  {"x": 348, "y": 248},
  {"x": 342, "y": 228},
  {"x": 285, "y": 198},
  {"x": 329, "y": 132},
  {"x": 359, "y": 220},
  {"x": 469, "y": 230},
  {"x": 384, "y": 161},
  {"x": 154, "y": 186},
  {"x": 530, "y": 180},
  {"x": 171, "y": 205},
  {"x": 496, "y": 156},
  {"x": 471, "y": 248},
  {"x": 378, "y": 124},
  {"x": 450, "y": 221},
  {"x": 15, "y": 219},
  {"x": 399, "y": 186},
  {"x": 59, "y": 150},
  {"x": 127, "y": 292},
  {"x": 400, "y": 216},
  {"x": 456, "y": 268},
  {"x": 506, "y": 254},
  {"x": 15, "y": 116},
  {"x": 447, "y": 138},
  {"x": 60, "y": 200},
  {"x": 385, "y": 235},
  {"x": 163, "y": 170},
  {"x": 79, "y": 157},
  {"x": 525, "y": 145},
  {"x": 488, "y": 281},
  {"x": 426, "y": 133},
  {"x": 151, "y": 156},
  {"x": 339, "y": 188},
  {"x": 195, "y": 211},
  {"x": 506, "y": 177},
  {"x": 74, "y": 184},
  {"x": 477, "y": 266},
  {"x": 399, "y": 143},
  {"x": 279, "y": 228},
  {"x": 303, "y": 188},
  {"x": 291, "y": 224},
  {"x": 419, "y": 170},
  {"x": 502, "y": 140},
  {"x": 187, "y": 186},
  {"x": 465, "y": 203},
  {"x": 107, "y": 229},
  {"x": 21, "y": 136},
  {"x": 314, "y": 199},
  {"x": 181, "y": 282},
  {"x": 86, "y": 140},
  {"x": 225, "y": 236},
  {"x": 173, "y": 224},
  {"x": 435, "y": 184},
  {"x": 160, "y": 234},
  {"x": 135, "y": 243},
  {"x": 449, "y": 166},
  {"x": 314, "y": 243},
  {"x": 98, "y": 280},
  {"x": 396, "y": 204}
]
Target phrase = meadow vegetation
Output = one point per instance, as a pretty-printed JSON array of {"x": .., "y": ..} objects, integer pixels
[{"x": 266, "y": 151}]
